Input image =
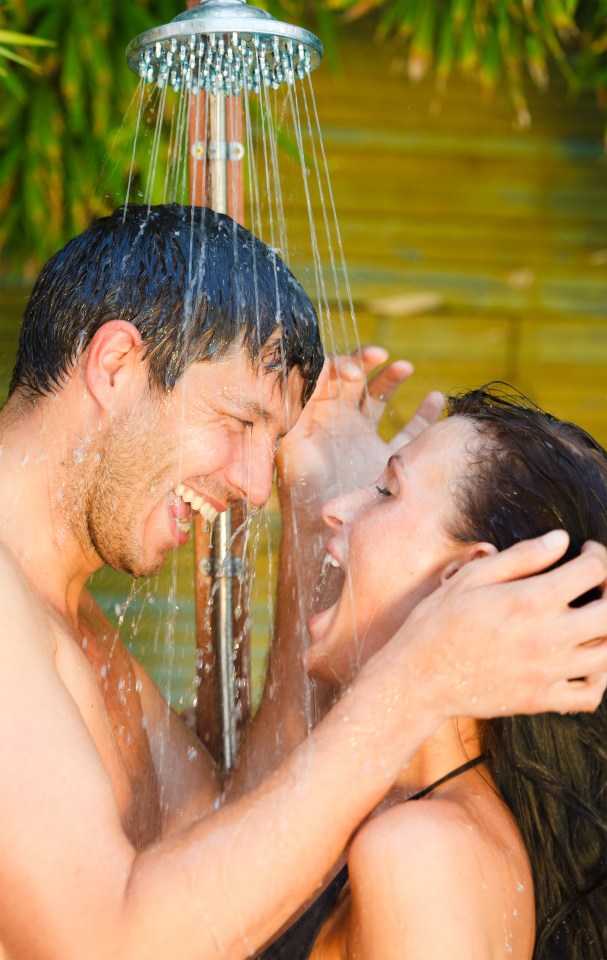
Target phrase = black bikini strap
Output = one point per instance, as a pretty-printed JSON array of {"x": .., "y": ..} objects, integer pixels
[
  {"x": 297, "y": 942},
  {"x": 448, "y": 776}
]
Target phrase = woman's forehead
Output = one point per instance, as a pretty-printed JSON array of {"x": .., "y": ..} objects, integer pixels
[{"x": 443, "y": 440}]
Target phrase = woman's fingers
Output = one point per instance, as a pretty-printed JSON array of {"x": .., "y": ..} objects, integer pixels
[
  {"x": 349, "y": 372},
  {"x": 427, "y": 413},
  {"x": 346, "y": 379},
  {"x": 370, "y": 356},
  {"x": 383, "y": 385},
  {"x": 354, "y": 378}
]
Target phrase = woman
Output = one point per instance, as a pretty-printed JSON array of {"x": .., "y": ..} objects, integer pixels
[{"x": 504, "y": 851}]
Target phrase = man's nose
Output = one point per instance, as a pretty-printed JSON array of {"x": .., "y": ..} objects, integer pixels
[{"x": 252, "y": 476}]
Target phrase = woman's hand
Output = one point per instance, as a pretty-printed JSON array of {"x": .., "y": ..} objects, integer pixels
[{"x": 335, "y": 446}]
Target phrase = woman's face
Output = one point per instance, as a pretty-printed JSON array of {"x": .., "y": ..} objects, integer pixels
[{"x": 391, "y": 541}]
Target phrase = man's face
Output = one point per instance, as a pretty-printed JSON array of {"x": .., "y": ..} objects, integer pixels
[{"x": 208, "y": 443}]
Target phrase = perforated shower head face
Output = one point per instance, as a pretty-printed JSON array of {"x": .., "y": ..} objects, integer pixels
[{"x": 224, "y": 47}]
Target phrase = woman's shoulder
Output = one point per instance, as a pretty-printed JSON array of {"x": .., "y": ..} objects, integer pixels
[
  {"x": 439, "y": 835},
  {"x": 449, "y": 877}
]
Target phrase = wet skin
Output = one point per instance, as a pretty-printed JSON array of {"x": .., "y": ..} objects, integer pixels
[
  {"x": 414, "y": 868},
  {"x": 216, "y": 433},
  {"x": 391, "y": 540},
  {"x": 85, "y": 793}
]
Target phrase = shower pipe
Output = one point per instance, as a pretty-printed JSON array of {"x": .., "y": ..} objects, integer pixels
[{"x": 216, "y": 50}]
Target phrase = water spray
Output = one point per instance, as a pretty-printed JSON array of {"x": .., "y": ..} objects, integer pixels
[{"x": 215, "y": 52}]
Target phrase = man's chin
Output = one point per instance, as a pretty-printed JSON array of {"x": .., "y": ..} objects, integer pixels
[{"x": 139, "y": 568}]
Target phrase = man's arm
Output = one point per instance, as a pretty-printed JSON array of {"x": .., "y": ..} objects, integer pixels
[{"x": 220, "y": 887}]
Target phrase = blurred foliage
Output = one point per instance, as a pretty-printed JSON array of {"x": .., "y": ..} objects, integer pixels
[
  {"x": 494, "y": 40},
  {"x": 66, "y": 146},
  {"x": 62, "y": 135},
  {"x": 8, "y": 40}
]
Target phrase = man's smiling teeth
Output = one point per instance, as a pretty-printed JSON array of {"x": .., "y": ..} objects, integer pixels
[
  {"x": 330, "y": 561},
  {"x": 197, "y": 503}
]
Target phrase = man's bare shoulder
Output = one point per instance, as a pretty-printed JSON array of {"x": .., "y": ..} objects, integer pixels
[
  {"x": 22, "y": 608},
  {"x": 11, "y": 573}
]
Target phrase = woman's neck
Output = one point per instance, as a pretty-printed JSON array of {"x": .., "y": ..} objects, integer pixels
[{"x": 455, "y": 742}]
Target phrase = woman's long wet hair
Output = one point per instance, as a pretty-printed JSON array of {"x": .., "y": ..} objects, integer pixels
[{"x": 531, "y": 473}]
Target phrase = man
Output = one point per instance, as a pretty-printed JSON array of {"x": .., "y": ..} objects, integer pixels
[{"x": 163, "y": 355}]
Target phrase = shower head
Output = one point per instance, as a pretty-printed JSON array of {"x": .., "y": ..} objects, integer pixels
[{"x": 224, "y": 46}]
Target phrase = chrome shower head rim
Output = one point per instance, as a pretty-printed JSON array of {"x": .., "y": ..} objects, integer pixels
[{"x": 224, "y": 46}]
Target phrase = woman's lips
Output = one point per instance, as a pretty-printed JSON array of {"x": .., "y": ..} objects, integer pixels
[{"x": 314, "y": 624}]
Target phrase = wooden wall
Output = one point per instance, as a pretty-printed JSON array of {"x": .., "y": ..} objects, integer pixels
[{"x": 503, "y": 231}]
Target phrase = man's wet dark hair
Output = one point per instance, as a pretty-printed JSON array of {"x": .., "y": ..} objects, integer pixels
[
  {"x": 193, "y": 282},
  {"x": 527, "y": 474}
]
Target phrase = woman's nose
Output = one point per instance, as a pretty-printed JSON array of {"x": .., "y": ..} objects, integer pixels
[{"x": 342, "y": 510}]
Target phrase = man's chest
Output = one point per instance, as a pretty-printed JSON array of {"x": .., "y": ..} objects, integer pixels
[{"x": 99, "y": 674}]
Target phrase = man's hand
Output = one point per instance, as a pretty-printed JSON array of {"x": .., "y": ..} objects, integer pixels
[
  {"x": 334, "y": 446},
  {"x": 500, "y": 636}
]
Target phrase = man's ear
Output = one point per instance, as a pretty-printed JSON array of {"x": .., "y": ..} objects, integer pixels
[
  {"x": 473, "y": 551},
  {"x": 112, "y": 366}
]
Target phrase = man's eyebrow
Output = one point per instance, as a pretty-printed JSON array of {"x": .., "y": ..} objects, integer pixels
[{"x": 253, "y": 409}]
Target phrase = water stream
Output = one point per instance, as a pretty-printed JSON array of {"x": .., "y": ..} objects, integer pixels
[{"x": 280, "y": 128}]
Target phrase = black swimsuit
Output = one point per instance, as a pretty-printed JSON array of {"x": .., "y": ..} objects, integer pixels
[{"x": 296, "y": 943}]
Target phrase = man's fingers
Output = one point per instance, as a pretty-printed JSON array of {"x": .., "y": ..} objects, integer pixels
[
  {"x": 594, "y": 549},
  {"x": 521, "y": 560},
  {"x": 575, "y": 696},
  {"x": 567, "y": 582},
  {"x": 587, "y": 571},
  {"x": 428, "y": 412},
  {"x": 573, "y": 579},
  {"x": 588, "y": 661}
]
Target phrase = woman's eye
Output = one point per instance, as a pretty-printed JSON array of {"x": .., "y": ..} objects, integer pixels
[{"x": 383, "y": 491}]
